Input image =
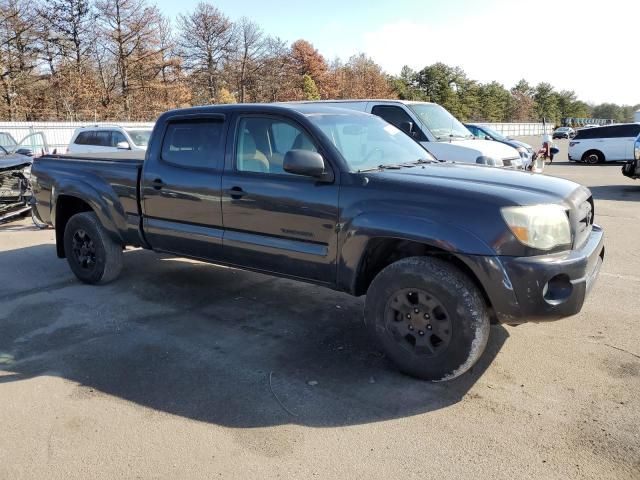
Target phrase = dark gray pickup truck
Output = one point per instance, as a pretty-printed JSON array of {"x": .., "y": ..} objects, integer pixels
[{"x": 341, "y": 199}]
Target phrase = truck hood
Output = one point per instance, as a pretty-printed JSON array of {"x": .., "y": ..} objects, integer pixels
[
  {"x": 469, "y": 150},
  {"x": 497, "y": 185}
]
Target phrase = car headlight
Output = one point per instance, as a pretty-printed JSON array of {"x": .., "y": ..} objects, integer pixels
[
  {"x": 493, "y": 162},
  {"x": 524, "y": 153},
  {"x": 637, "y": 149},
  {"x": 516, "y": 163},
  {"x": 26, "y": 171},
  {"x": 539, "y": 226}
]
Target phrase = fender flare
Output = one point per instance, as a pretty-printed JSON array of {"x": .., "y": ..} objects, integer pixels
[
  {"x": 357, "y": 234},
  {"x": 99, "y": 195}
]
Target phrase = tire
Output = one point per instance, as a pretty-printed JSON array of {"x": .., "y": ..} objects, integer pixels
[
  {"x": 429, "y": 318},
  {"x": 593, "y": 157},
  {"x": 91, "y": 253}
]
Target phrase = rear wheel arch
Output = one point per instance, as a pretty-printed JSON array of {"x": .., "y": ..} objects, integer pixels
[{"x": 66, "y": 207}]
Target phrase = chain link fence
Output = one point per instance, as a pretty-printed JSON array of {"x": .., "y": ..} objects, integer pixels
[{"x": 57, "y": 134}]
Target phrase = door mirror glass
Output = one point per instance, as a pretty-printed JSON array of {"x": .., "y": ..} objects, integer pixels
[
  {"x": 123, "y": 146},
  {"x": 304, "y": 162}
]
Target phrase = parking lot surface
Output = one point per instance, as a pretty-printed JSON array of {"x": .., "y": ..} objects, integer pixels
[{"x": 181, "y": 369}]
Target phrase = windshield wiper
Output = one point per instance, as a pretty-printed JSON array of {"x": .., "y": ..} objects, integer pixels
[
  {"x": 390, "y": 166},
  {"x": 398, "y": 166}
]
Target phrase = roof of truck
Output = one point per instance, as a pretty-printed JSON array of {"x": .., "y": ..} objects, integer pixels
[{"x": 304, "y": 108}]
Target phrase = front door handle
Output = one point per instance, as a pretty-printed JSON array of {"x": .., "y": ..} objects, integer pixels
[
  {"x": 157, "y": 184},
  {"x": 236, "y": 193}
]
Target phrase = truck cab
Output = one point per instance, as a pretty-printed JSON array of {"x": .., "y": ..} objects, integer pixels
[{"x": 437, "y": 130}]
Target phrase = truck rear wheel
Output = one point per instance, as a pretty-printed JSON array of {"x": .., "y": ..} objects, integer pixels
[
  {"x": 428, "y": 316},
  {"x": 92, "y": 254}
]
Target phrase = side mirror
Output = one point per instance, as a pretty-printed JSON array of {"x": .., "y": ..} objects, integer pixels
[
  {"x": 407, "y": 127},
  {"x": 123, "y": 146},
  {"x": 25, "y": 151},
  {"x": 303, "y": 162}
]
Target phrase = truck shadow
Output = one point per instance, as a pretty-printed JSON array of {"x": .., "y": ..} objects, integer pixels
[
  {"x": 209, "y": 343},
  {"x": 616, "y": 192}
]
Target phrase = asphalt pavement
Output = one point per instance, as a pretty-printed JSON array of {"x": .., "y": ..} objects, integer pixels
[{"x": 181, "y": 369}]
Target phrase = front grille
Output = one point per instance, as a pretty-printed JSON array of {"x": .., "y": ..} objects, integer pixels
[{"x": 583, "y": 222}]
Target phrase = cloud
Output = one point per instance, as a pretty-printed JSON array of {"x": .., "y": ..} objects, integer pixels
[{"x": 582, "y": 46}]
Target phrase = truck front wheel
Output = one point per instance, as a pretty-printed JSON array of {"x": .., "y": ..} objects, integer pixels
[
  {"x": 92, "y": 254},
  {"x": 428, "y": 317}
]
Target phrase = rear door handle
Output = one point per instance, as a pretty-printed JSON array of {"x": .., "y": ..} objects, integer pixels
[
  {"x": 236, "y": 193},
  {"x": 157, "y": 184}
]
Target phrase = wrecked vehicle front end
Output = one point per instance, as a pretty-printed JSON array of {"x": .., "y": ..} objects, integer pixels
[{"x": 15, "y": 191}]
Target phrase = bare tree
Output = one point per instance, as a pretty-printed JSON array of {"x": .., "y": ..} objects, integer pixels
[
  {"x": 129, "y": 32},
  {"x": 69, "y": 29},
  {"x": 274, "y": 82},
  {"x": 251, "y": 49},
  {"x": 18, "y": 53},
  {"x": 205, "y": 43}
]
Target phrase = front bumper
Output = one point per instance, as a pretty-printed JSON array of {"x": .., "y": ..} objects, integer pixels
[{"x": 540, "y": 288}]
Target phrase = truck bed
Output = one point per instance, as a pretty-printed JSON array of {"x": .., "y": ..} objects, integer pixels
[{"x": 113, "y": 181}]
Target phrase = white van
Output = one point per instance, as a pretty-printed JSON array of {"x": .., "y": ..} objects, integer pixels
[
  {"x": 613, "y": 143},
  {"x": 437, "y": 130},
  {"x": 112, "y": 141}
]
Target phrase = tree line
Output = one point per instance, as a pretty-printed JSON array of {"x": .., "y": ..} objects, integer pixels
[
  {"x": 84, "y": 60},
  {"x": 468, "y": 99}
]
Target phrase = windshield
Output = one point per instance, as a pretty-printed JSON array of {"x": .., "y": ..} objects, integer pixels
[
  {"x": 367, "y": 142},
  {"x": 140, "y": 137},
  {"x": 7, "y": 141},
  {"x": 494, "y": 134},
  {"x": 441, "y": 123}
]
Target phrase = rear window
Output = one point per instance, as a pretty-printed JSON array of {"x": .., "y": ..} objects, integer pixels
[
  {"x": 83, "y": 138},
  {"x": 587, "y": 133},
  {"x": 194, "y": 143},
  {"x": 613, "y": 131}
]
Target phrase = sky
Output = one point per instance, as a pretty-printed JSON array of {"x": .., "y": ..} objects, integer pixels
[{"x": 589, "y": 46}]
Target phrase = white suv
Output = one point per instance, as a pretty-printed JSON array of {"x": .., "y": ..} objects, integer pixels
[
  {"x": 613, "y": 143},
  {"x": 109, "y": 139}
]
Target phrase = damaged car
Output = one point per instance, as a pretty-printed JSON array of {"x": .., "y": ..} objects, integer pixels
[{"x": 15, "y": 170}]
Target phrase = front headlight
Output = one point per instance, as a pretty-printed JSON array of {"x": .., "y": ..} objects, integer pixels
[
  {"x": 637, "y": 149},
  {"x": 539, "y": 226},
  {"x": 26, "y": 171}
]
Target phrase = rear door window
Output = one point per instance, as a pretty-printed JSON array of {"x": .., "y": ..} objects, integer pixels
[
  {"x": 194, "y": 143},
  {"x": 102, "y": 138}
]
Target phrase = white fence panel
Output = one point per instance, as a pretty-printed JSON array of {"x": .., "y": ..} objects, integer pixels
[
  {"x": 57, "y": 134},
  {"x": 520, "y": 129}
]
